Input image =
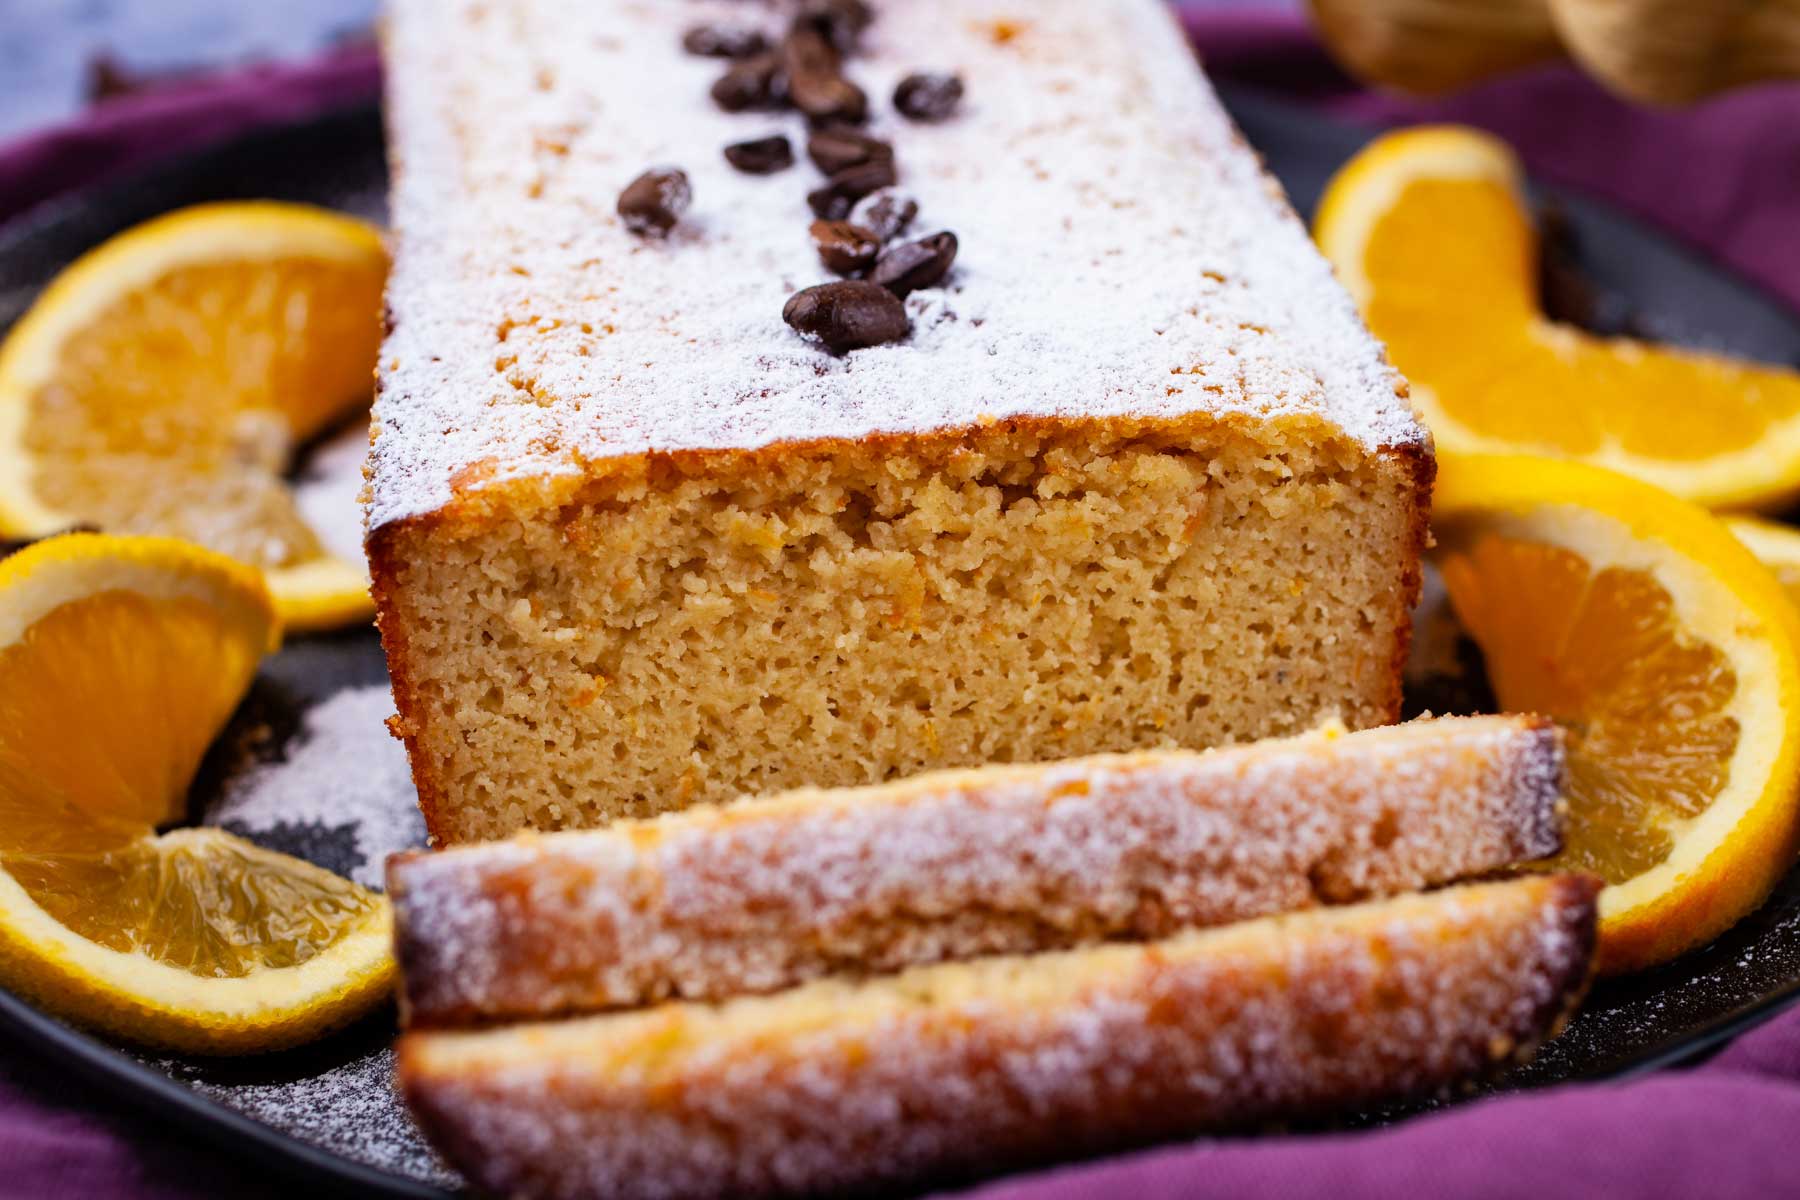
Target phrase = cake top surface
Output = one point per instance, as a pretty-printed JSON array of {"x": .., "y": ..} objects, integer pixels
[{"x": 1122, "y": 252}]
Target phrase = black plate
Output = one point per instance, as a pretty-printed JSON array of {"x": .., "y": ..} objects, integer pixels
[{"x": 352, "y": 1134}]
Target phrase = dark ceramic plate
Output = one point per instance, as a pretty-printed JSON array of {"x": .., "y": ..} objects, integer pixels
[{"x": 306, "y": 739}]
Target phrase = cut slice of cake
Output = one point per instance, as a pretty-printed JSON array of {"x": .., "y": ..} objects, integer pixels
[
  {"x": 1135, "y": 476},
  {"x": 961, "y": 1068},
  {"x": 766, "y": 893}
]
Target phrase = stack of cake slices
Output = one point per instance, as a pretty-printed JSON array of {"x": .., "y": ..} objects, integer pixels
[{"x": 980, "y": 969}]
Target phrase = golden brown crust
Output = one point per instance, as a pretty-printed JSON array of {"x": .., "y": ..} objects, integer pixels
[
  {"x": 483, "y": 497},
  {"x": 382, "y": 546},
  {"x": 1421, "y": 464},
  {"x": 767, "y": 893},
  {"x": 950, "y": 1070}
]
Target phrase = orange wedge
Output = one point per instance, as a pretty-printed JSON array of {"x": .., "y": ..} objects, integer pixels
[
  {"x": 1672, "y": 659},
  {"x": 163, "y": 382},
  {"x": 120, "y": 660},
  {"x": 1429, "y": 230}
]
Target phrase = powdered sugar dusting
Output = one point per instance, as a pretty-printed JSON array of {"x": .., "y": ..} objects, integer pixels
[
  {"x": 343, "y": 772},
  {"x": 1000, "y": 1062},
  {"x": 350, "y": 1109},
  {"x": 956, "y": 864},
  {"x": 1123, "y": 253}
]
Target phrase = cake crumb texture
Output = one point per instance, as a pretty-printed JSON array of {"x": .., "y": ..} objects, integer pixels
[
  {"x": 952, "y": 865},
  {"x": 692, "y": 634},
  {"x": 949, "y": 1070}
]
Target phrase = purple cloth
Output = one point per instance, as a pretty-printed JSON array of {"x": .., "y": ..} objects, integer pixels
[
  {"x": 121, "y": 136},
  {"x": 1720, "y": 1131},
  {"x": 1724, "y": 176}
]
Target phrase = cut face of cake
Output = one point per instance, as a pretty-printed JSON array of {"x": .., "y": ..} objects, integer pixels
[
  {"x": 773, "y": 891},
  {"x": 1135, "y": 476}
]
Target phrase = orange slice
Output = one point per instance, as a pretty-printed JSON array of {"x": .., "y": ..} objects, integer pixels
[
  {"x": 120, "y": 660},
  {"x": 163, "y": 382},
  {"x": 1670, "y": 656},
  {"x": 1776, "y": 546},
  {"x": 1429, "y": 230}
]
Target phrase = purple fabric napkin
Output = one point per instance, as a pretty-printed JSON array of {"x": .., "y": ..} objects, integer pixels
[
  {"x": 1724, "y": 176},
  {"x": 119, "y": 137}
]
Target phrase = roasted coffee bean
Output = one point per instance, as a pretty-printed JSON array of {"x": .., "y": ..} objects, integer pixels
[
  {"x": 815, "y": 78},
  {"x": 840, "y": 193},
  {"x": 761, "y": 156},
  {"x": 724, "y": 41},
  {"x": 841, "y": 21},
  {"x": 754, "y": 82},
  {"x": 845, "y": 248},
  {"x": 838, "y": 102},
  {"x": 836, "y": 148},
  {"x": 926, "y": 96},
  {"x": 885, "y": 213},
  {"x": 913, "y": 265},
  {"x": 652, "y": 203},
  {"x": 806, "y": 51},
  {"x": 847, "y": 315}
]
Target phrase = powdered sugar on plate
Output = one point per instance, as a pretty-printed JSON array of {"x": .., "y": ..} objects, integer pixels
[
  {"x": 350, "y": 1109},
  {"x": 328, "y": 490},
  {"x": 344, "y": 778}
]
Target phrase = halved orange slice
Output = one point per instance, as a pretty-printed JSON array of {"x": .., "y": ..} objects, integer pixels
[
  {"x": 164, "y": 381},
  {"x": 120, "y": 660},
  {"x": 1670, "y": 656},
  {"x": 1429, "y": 230}
]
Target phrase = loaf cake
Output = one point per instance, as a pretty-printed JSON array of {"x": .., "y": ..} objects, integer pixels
[
  {"x": 1131, "y": 475},
  {"x": 976, "y": 1067},
  {"x": 716, "y": 902}
]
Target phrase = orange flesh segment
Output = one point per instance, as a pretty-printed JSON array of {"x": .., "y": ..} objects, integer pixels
[
  {"x": 128, "y": 760},
  {"x": 83, "y": 786},
  {"x": 213, "y": 918},
  {"x": 1453, "y": 272},
  {"x": 176, "y": 410},
  {"x": 1645, "y": 704}
]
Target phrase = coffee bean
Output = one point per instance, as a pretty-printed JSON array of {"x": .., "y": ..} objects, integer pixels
[
  {"x": 840, "y": 193},
  {"x": 835, "y": 149},
  {"x": 847, "y": 315},
  {"x": 652, "y": 203},
  {"x": 913, "y": 265},
  {"x": 926, "y": 96},
  {"x": 841, "y": 21},
  {"x": 834, "y": 101},
  {"x": 845, "y": 248},
  {"x": 754, "y": 82},
  {"x": 886, "y": 213},
  {"x": 724, "y": 41},
  {"x": 815, "y": 78},
  {"x": 761, "y": 156}
]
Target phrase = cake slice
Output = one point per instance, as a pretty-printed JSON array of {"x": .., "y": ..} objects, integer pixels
[
  {"x": 1134, "y": 476},
  {"x": 952, "y": 1069},
  {"x": 766, "y": 893}
]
